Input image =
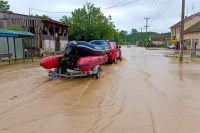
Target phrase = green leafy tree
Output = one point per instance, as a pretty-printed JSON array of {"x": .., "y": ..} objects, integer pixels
[
  {"x": 89, "y": 23},
  {"x": 142, "y": 43},
  {"x": 168, "y": 34},
  {"x": 4, "y": 5},
  {"x": 135, "y": 36},
  {"x": 43, "y": 16},
  {"x": 123, "y": 36},
  {"x": 14, "y": 27}
]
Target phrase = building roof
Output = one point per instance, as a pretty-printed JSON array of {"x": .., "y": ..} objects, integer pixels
[
  {"x": 38, "y": 18},
  {"x": 159, "y": 37},
  {"x": 14, "y": 33},
  {"x": 54, "y": 22},
  {"x": 186, "y": 19},
  {"x": 194, "y": 28},
  {"x": 10, "y": 12}
]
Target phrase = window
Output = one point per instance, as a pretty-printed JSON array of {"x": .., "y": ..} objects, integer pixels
[
  {"x": 33, "y": 22},
  {"x": 197, "y": 41},
  {"x": 45, "y": 29},
  {"x": 13, "y": 21},
  {"x": 95, "y": 42},
  {"x": 26, "y": 23},
  {"x": 32, "y": 30},
  {"x": 61, "y": 32},
  {"x": 105, "y": 43},
  {"x": 51, "y": 30},
  {"x": 188, "y": 42},
  {"x": 65, "y": 32}
]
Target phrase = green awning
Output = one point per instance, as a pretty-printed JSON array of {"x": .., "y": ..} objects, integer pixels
[{"x": 4, "y": 32}]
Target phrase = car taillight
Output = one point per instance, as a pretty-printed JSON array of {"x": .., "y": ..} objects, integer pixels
[
  {"x": 88, "y": 73},
  {"x": 49, "y": 71}
]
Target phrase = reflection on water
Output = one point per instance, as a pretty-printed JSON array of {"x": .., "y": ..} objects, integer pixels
[{"x": 180, "y": 71}]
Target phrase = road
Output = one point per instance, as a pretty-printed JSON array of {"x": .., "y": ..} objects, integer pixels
[{"x": 145, "y": 93}]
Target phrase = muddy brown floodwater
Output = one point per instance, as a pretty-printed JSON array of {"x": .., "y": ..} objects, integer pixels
[{"x": 145, "y": 93}]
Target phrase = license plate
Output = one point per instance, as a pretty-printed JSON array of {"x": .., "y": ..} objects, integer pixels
[{"x": 52, "y": 75}]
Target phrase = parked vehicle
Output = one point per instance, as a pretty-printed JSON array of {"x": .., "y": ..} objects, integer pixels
[
  {"x": 75, "y": 63},
  {"x": 115, "y": 52},
  {"x": 94, "y": 48},
  {"x": 102, "y": 43},
  {"x": 128, "y": 45},
  {"x": 171, "y": 46}
]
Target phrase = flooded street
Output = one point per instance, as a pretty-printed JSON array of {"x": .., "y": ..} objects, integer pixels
[{"x": 145, "y": 93}]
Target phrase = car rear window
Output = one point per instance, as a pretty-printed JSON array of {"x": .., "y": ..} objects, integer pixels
[{"x": 95, "y": 42}]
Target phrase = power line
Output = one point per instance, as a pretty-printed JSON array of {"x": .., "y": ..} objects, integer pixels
[
  {"x": 161, "y": 7},
  {"x": 117, "y": 4},
  {"x": 159, "y": 14},
  {"x": 157, "y": 29},
  {"x": 47, "y": 11},
  {"x": 168, "y": 5},
  {"x": 120, "y": 5},
  {"x": 163, "y": 2},
  {"x": 165, "y": 26},
  {"x": 150, "y": 7},
  {"x": 120, "y": 2},
  {"x": 153, "y": 8}
]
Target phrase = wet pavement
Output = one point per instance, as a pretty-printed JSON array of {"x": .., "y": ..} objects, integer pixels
[{"x": 145, "y": 93}]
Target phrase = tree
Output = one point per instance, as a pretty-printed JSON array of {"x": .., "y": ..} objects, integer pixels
[
  {"x": 168, "y": 33},
  {"x": 123, "y": 35},
  {"x": 135, "y": 36},
  {"x": 14, "y": 27},
  {"x": 142, "y": 43},
  {"x": 89, "y": 23},
  {"x": 4, "y": 5},
  {"x": 43, "y": 16}
]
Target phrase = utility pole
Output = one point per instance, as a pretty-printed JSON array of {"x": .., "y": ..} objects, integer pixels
[
  {"x": 141, "y": 29},
  {"x": 29, "y": 11},
  {"x": 182, "y": 30},
  {"x": 146, "y": 29},
  {"x": 141, "y": 33}
]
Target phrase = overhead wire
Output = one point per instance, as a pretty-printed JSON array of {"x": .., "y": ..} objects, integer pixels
[
  {"x": 160, "y": 6},
  {"x": 120, "y": 5},
  {"x": 167, "y": 6},
  {"x": 153, "y": 8},
  {"x": 150, "y": 7},
  {"x": 164, "y": 8},
  {"x": 157, "y": 29},
  {"x": 48, "y": 11},
  {"x": 120, "y": 2},
  {"x": 116, "y": 4}
]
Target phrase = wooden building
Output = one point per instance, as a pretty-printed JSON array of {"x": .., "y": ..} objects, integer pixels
[{"x": 50, "y": 35}]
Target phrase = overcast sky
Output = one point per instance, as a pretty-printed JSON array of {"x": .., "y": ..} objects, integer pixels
[{"x": 162, "y": 13}]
